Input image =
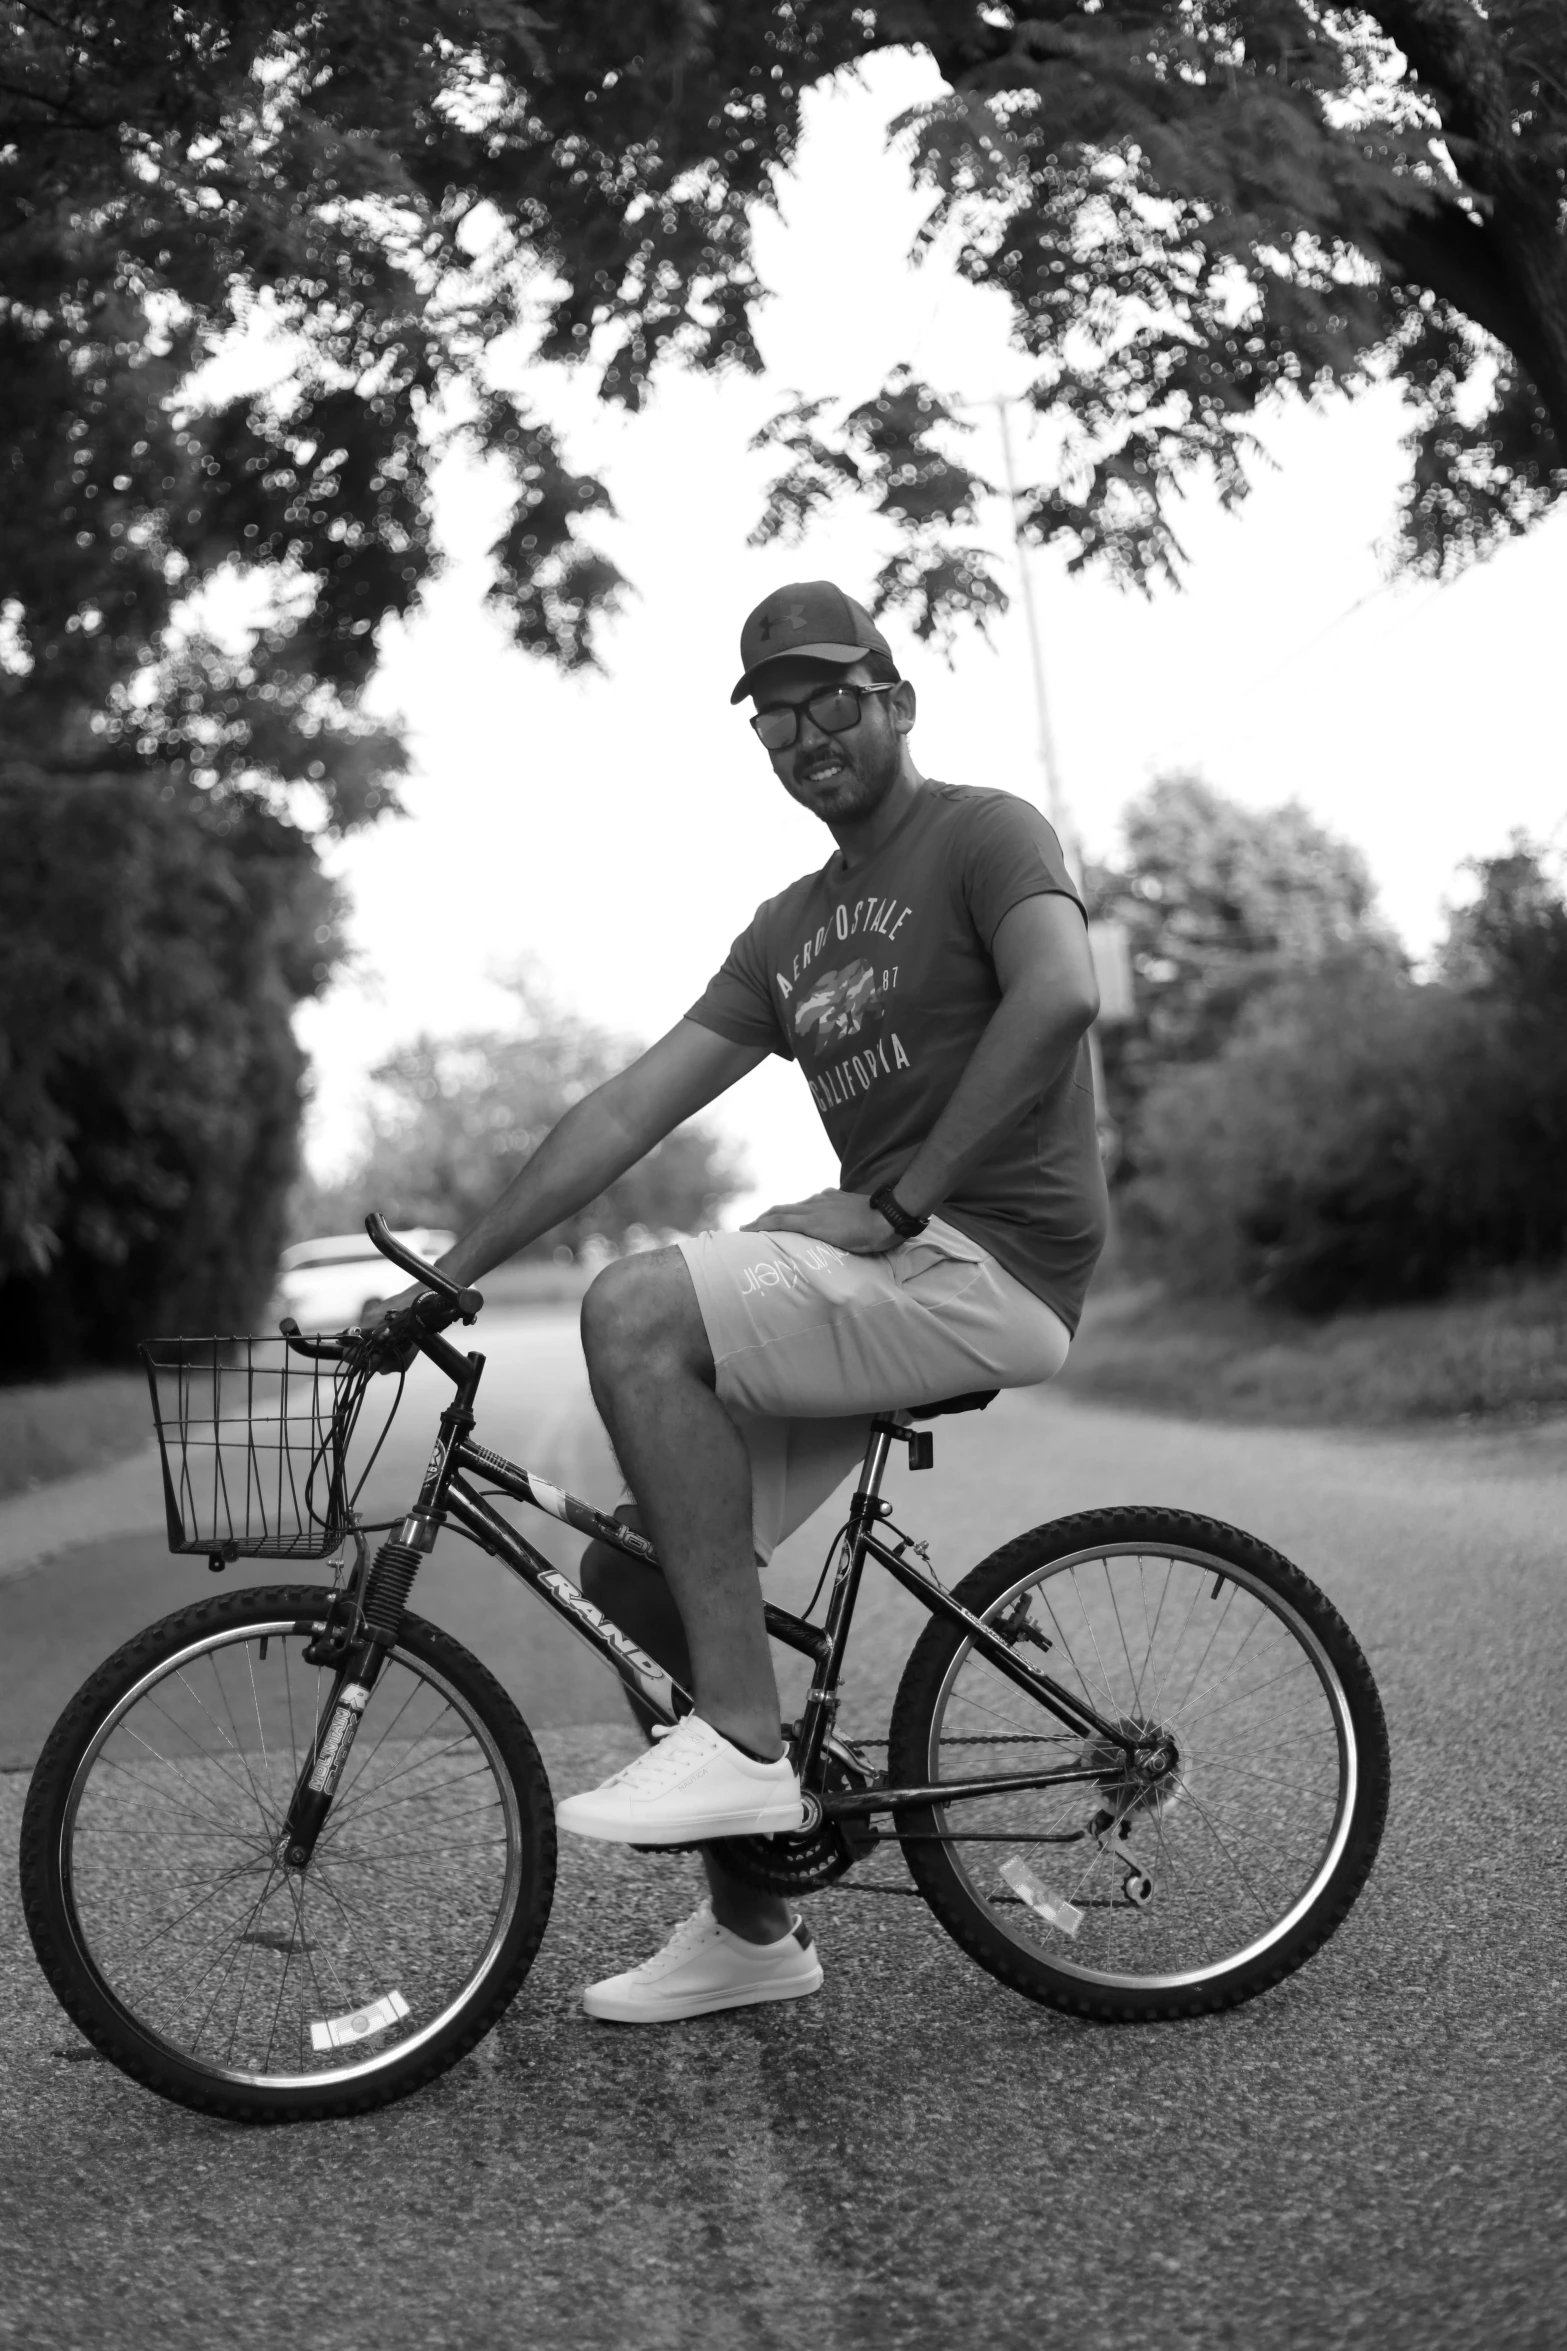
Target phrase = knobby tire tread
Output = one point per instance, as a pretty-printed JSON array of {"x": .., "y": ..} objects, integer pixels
[
  {"x": 908, "y": 1749},
  {"x": 43, "y": 1900}
]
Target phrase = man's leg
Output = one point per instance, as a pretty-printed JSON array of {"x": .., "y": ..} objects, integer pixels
[{"x": 651, "y": 1370}]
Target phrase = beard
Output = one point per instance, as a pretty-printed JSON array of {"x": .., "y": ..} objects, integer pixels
[{"x": 850, "y": 791}]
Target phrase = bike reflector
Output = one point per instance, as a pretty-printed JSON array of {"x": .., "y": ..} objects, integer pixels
[
  {"x": 1054, "y": 1909},
  {"x": 360, "y": 2024}
]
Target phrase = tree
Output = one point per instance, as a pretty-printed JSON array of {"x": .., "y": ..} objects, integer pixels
[
  {"x": 149, "y": 1070},
  {"x": 459, "y": 1116},
  {"x": 1198, "y": 208},
  {"x": 1195, "y": 208},
  {"x": 1219, "y": 901},
  {"x": 1362, "y": 1137}
]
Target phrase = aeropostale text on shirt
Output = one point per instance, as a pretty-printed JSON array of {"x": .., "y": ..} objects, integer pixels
[{"x": 884, "y": 916}]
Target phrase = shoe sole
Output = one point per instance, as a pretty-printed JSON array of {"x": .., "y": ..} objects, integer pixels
[
  {"x": 769, "y": 1820},
  {"x": 608, "y": 2010}
]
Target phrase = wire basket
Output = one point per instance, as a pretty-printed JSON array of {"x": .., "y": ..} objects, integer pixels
[{"x": 254, "y": 1441}]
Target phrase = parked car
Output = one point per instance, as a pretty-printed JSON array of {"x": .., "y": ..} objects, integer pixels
[{"x": 327, "y": 1285}]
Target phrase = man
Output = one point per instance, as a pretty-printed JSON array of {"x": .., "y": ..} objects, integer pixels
[{"x": 933, "y": 980}]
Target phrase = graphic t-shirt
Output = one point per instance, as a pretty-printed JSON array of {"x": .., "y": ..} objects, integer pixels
[{"x": 879, "y": 982}]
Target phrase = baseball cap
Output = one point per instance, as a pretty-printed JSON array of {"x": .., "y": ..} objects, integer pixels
[{"x": 808, "y": 621}]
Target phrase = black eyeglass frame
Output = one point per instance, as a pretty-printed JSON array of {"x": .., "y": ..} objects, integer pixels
[{"x": 793, "y": 710}]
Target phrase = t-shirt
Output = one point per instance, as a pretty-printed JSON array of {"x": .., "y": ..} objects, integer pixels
[{"x": 879, "y": 982}]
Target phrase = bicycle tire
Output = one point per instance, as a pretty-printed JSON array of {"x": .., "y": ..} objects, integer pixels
[
  {"x": 151, "y": 1881},
  {"x": 1218, "y": 1836}
]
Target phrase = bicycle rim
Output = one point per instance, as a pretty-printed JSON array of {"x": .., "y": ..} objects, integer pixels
[
  {"x": 257, "y": 1977},
  {"x": 1131, "y": 1880}
]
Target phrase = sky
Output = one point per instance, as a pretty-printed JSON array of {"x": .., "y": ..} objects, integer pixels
[{"x": 619, "y": 828}]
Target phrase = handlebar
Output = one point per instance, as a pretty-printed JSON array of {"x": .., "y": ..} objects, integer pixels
[
  {"x": 440, "y": 1304},
  {"x": 466, "y": 1302}
]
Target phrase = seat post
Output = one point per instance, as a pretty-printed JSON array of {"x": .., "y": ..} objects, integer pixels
[{"x": 877, "y": 1447}]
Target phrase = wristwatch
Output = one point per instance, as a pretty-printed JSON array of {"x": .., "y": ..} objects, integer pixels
[{"x": 886, "y": 1203}]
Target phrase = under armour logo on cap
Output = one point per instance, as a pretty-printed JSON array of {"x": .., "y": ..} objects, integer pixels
[
  {"x": 810, "y": 620},
  {"x": 794, "y": 618}
]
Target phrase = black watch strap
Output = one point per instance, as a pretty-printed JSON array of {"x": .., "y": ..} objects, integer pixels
[{"x": 886, "y": 1203}]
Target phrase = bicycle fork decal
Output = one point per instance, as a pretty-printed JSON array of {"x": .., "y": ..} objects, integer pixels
[{"x": 338, "y": 1738}]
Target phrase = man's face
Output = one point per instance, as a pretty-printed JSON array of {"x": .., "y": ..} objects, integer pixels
[{"x": 839, "y": 778}]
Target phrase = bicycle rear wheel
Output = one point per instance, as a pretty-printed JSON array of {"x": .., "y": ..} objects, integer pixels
[
  {"x": 1214, "y": 1861},
  {"x": 162, "y": 1913}
]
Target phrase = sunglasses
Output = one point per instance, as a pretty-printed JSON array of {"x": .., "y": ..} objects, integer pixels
[{"x": 834, "y": 710}]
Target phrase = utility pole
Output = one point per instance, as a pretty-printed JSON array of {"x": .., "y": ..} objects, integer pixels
[
  {"x": 1050, "y": 765},
  {"x": 1055, "y": 798}
]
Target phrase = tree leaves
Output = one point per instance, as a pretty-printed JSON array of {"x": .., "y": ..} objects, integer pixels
[
  {"x": 153, "y": 942},
  {"x": 457, "y": 1118},
  {"x": 1197, "y": 212},
  {"x": 891, "y": 453}
]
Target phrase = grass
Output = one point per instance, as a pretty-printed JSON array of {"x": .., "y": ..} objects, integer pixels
[
  {"x": 53, "y": 1428},
  {"x": 1499, "y": 1354}
]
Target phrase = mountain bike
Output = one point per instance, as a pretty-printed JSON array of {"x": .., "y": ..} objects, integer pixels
[{"x": 290, "y": 1852}]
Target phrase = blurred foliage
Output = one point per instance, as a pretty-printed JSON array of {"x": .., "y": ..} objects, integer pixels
[
  {"x": 374, "y": 221},
  {"x": 1195, "y": 210},
  {"x": 887, "y": 452},
  {"x": 1219, "y": 901},
  {"x": 153, "y": 944},
  {"x": 1364, "y": 1137},
  {"x": 458, "y": 1117}
]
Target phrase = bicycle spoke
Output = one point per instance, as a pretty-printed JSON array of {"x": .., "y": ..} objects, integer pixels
[
  {"x": 1252, "y": 1768},
  {"x": 241, "y": 1963}
]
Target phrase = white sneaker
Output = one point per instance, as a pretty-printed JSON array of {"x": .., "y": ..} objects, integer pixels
[
  {"x": 693, "y": 1785},
  {"x": 702, "y": 1967}
]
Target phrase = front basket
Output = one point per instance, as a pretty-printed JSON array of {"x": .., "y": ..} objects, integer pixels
[{"x": 254, "y": 1442}]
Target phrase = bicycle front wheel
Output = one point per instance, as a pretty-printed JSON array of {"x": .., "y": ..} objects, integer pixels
[
  {"x": 1216, "y": 1839},
  {"x": 167, "y": 1923}
]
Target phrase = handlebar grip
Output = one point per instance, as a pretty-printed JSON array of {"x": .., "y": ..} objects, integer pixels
[
  {"x": 326, "y": 1350},
  {"x": 438, "y": 1314},
  {"x": 465, "y": 1304}
]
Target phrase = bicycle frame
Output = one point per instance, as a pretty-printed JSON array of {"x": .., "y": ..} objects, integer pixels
[{"x": 449, "y": 1496}]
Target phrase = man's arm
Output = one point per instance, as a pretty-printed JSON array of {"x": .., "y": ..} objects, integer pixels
[
  {"x": 601, "y": 1136},
  {"x": 1049, "y": 996}
]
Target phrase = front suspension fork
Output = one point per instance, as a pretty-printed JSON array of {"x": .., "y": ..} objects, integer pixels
[
  {"x": 335, "y": 1735},
  {"x": 359, "y": 1668}
]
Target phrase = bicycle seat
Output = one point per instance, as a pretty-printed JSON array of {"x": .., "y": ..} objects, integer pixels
[{"x": 975, "y": 1402}]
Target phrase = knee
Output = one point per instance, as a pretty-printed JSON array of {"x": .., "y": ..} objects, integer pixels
[{"x": 632, "y": 1312}]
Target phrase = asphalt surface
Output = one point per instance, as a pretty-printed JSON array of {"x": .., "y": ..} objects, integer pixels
[{"x": 1371, "y": 2153}]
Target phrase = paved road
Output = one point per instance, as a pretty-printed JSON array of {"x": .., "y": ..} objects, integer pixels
[{"x": 1370, "y": 2154}]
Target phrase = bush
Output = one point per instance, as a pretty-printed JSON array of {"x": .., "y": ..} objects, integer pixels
[
  {"x": 1356, "y": 1143},
  {"x": 1364, "y": 1138},
  {"x": 153, "y": 944}
]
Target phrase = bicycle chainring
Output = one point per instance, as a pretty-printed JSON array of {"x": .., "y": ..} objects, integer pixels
[{"x": 800, "y": 1863}]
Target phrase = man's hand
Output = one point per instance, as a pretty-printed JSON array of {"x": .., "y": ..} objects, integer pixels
[
  {"x": 845, "y": 1220},
  {"x": 376, "y": 1313},
  {"x": 386, "y": 1356}
]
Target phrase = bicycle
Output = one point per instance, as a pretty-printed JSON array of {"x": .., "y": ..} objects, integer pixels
[{"x": 1136, "y": 1766}]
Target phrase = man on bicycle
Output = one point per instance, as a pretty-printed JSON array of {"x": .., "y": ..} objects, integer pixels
[{"x": 934, "y": 983}]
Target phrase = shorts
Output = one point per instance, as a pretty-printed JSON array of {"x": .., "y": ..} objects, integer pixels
[{"x": 809, "y": 1342}]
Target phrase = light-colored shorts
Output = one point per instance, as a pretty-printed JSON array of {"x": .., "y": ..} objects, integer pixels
[{"x": 809, "y": 1342}]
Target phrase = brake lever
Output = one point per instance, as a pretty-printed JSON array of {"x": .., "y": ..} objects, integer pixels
[
  {"x": 467, "y": 1302},
  {"x": 392, "y": 1345}
]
